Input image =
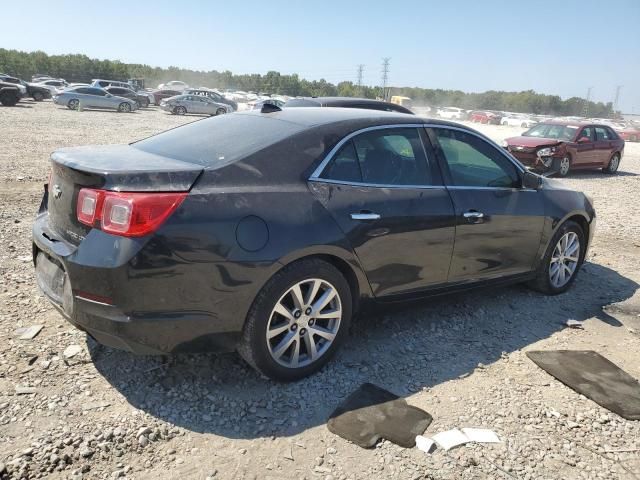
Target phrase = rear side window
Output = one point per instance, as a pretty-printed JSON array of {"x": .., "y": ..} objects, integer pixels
[
  {"x": 393, "y": 156},
  {"x": 602, "y": 134},
  {"x": 219, "y": 141}
]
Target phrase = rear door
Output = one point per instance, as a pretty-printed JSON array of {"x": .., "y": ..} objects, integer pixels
[
  {"x": 498, "y": 223},
  {"x": 389, "y": 200},
  {"x": 603, "y": 146}
]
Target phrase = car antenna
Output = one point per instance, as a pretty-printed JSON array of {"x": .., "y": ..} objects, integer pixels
[{"x": 270, "y": 108}]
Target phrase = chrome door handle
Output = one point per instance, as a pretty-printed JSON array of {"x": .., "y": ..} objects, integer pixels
[
  {"x": 473, "y": 214},
  {"x": 365, "y": 216}
]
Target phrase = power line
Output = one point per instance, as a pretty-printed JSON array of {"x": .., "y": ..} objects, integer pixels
[
  {"x": 360, "y": 71},
  {"x": 585, "y": 106},
  {"x": 615, "y": 101},
  {"x": 385, "y": 76}
]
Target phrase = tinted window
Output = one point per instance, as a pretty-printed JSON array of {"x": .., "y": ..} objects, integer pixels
[
  {"x": 220, "y": 140},
  {"x": 602, "y": 134},
  {"x": 82, "y": 90},
  {"x": 393, "y": 156},
  {"x": 345, "y": 165},
  {"x": 96, "y": 91},
  {"x": 473, "y": 162}
]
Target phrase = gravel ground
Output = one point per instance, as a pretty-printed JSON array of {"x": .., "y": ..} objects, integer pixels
[{"x": 71, "y": 409}]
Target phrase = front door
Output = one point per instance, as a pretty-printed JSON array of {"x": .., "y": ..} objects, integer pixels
[
  {"x": 585, "y": 151},
  {"x": 390, "y": 202},
  {"x": 498, "y": 223}
]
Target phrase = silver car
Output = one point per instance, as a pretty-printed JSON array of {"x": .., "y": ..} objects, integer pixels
[
  {"x": 181, "y": 104},
  {"x": 92, "y": 97}
]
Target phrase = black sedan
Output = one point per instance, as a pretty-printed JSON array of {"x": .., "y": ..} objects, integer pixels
[{"x": 266, "y": 231}]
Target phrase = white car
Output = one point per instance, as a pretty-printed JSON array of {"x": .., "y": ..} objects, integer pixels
[
  {"x": 173, "y": 85},
  {"x": 451, "y": 113},
  {"x": 55, "y": 86},
  {"x": 518, "y": 121}
]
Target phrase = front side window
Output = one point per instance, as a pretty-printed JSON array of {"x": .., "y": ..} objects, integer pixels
[
  {"x": 97, "y": 91},
  {"x": 473, "y": 162},
  {"x": 586, "y": 132},
  {"x": 389, "y": 156}
]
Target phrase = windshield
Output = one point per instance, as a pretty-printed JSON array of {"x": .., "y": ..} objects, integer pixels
[{"x": 552, "y": 130}]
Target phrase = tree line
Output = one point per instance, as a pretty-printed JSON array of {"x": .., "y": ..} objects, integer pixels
[{"x": 81, "y": 68}]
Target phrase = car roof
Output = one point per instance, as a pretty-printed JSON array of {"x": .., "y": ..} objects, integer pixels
[
  {"x": 315, "y": 116},
  {"x": 567, "y": 123}
]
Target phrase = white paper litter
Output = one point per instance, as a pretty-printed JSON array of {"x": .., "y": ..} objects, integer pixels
[
  {"x": 481, "y": 435},
  {"x": 450, "y": 438},
  {"x": 425, "y": 444}
]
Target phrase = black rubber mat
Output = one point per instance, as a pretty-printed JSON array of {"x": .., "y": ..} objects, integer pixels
[
  {"x": 595, "y": 377},
  {"x": 371, "y": 413}
]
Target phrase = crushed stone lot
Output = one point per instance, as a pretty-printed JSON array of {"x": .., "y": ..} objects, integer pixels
[{"x": 70, "y": 409}]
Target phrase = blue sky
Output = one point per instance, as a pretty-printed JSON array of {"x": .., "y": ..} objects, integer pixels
[{"x": 557, "y": 47}]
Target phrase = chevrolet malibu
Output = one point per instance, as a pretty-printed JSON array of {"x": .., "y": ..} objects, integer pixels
[
  {"x": 265, "y": 231},
  {"x": 559, "y": 147}
]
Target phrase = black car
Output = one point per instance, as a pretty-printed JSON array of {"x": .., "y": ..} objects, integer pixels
[
  {"x": 265, "y": 232},
  {"x": 347, "y": 102},
  {"x": 142, "y": 100},
  {"x": 34, "y": 91}
]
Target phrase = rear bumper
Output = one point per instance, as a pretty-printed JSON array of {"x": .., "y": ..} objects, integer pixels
[{"x": 65, "y": 273}]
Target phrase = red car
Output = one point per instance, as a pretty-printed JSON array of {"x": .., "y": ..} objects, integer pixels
[
  {"x": 162, "y": 94},
  {"x": 629, "y": 133},
  {"x": 558, "y": 147},
  {"x": 485, "y": 117}
]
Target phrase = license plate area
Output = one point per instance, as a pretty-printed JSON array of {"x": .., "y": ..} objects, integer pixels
[{"x": 54, "y": 281}]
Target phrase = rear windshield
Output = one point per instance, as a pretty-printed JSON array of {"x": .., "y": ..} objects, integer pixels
[{"x": 219, "y": 141}]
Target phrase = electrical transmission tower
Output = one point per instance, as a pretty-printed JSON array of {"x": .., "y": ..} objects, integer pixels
[
  {"x": 360, "y": 71},
  {"x": 585, "y": 107},
  {"x": 385, "y": 77},
  {"x": 615, "y": 101}
]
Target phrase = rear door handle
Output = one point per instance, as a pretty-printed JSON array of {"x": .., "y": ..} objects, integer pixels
[
  {"x": 473, "y": 216},
  {"x": 365, "y": 215}
]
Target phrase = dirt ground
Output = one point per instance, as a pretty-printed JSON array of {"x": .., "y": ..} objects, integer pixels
[{"x": 100, "y": 413}]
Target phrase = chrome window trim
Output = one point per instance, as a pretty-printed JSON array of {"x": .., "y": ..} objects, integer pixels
[
  {"x": 377, "y": 185},
  {"x": 318, "y": 171}
]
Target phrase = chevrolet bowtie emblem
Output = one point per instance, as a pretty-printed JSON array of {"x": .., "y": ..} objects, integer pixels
[{"x": 57, "y": 191}]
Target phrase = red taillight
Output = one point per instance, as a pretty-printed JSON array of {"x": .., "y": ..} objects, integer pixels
[{"x": 126, "y": 213}]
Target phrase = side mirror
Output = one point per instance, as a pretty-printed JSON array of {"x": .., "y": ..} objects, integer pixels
[
  {"x": 109, "y": 95},
  {"x": 531, "y": 181},
  {"x": 584, "y": 140}
]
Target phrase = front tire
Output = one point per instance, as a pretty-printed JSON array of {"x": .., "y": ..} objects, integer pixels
[
  {"x": 73, "y": 104},
  {"x": 297, "y": 321},
  {"x": 221, "y": 111},
  {"x": 562, "y": 260},
  {"x": 612, "y": 166},
  {"x": 564, "y": 166},
  {"x": 8, "y": 99},
  {"x": 124, "y": 107},
  {"x": 180, "y": 110}
]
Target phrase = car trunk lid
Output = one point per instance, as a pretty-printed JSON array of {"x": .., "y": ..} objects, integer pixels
[{"x": 119, "y": 168}]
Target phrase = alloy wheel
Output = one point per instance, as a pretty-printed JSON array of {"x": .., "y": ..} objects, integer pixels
[
  {"x": 614, "y": 163},
  {"x": 564, "y": 260},
  {"x": 304, "y": 323},
  {"x": 73, "y": 103},
  {"x": 565, "y": 164}
]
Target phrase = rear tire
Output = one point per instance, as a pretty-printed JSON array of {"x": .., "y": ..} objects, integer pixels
[
  {"x": 146, "y": 103},
  {"x": 38, "y": 96},
  {"x": 613, "y": 164},
  {"x": 267, "y": 354},
  {"x": 544, "y": 277}
]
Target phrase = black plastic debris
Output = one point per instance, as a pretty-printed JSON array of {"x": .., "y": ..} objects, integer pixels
[
  {"x": 595, "y": 377},
  {"x": 371, "y": 413}
]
